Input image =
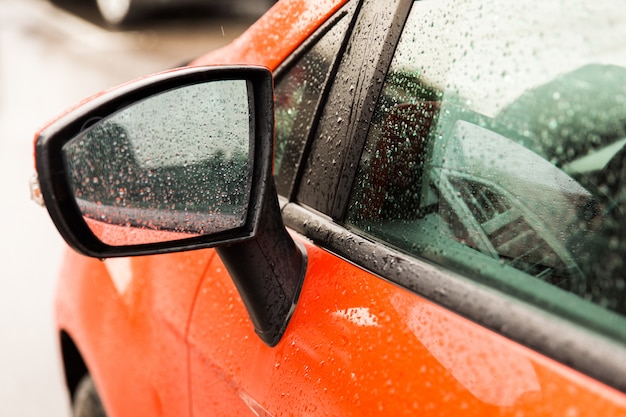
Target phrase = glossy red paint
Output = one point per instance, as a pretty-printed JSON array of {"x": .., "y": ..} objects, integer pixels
[
  {"x": 358, "y": 345},
  {"x": 116, "y": 235},
  {"x": 275, "y": 35},
  {"x": 129, "y": 317}
]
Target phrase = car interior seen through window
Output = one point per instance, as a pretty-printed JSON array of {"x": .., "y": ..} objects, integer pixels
[{"x": 505, "y": 161}]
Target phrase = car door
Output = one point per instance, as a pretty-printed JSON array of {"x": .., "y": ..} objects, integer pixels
[
  {"x": 397, "y": 325},
  {"x": 225, "y": 379}
]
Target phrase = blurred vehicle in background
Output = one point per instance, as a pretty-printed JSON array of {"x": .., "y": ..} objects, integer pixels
[{"x": 118, "y": 13}]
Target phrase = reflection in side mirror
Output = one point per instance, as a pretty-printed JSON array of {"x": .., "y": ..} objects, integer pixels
[
  {"x": 174, "y": 161},
  {"x": 173, "y": 166}
]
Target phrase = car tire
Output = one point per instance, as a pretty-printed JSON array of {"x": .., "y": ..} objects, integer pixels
[
  {"x": 117, "y": 12},
  {"x": 86, "y": 400}
]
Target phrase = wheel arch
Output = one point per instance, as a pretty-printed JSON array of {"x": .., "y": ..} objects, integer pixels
[{"x": 74, "y": 366}]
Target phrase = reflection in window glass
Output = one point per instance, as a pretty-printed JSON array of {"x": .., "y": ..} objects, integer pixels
[
  {"x": 298, "y": 94},
  {"x": 497, "y": 146}
]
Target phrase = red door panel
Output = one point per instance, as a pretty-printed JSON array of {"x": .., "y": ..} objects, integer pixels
[
  {"x": 359, "y": 345},
  {"x": 128, "y": 318}
]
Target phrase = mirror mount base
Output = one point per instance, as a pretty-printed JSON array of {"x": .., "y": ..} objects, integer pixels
[{"x": 268, "y": 271}]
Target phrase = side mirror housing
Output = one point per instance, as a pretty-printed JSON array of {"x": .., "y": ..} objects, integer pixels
[
  {"x": 178, "y": 161},
  {"x": 162, "y": 164}
]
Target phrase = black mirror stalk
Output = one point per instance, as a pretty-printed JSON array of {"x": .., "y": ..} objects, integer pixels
[{"x": 268, "y": 271}]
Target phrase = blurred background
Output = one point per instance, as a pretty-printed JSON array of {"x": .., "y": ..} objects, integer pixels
[{"x": 52, "y": 55}]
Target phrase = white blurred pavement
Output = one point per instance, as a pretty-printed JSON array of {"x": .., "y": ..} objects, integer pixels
[{"x": 49, "y": 60}]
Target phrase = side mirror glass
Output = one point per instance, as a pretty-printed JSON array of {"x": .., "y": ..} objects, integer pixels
[
  {"x": 175, "y": 165},
  {"x": 167, "y": 159}
]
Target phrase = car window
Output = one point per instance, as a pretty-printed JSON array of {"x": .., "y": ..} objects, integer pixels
[
  {"x": 299, "y": 92},
  {"x": 497, "y": 148}
]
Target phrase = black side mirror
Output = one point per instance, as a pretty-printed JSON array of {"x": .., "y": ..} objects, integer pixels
[
  {"x": 161, "y": 165},
  {"x": 178, "y": 161}
]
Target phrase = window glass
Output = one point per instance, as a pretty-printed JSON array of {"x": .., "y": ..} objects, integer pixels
[
  {"x": 298, "y": 94},
  {"x": 497, "y": 147}
]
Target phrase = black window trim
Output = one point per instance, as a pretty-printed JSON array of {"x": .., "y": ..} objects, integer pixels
[
  {"x": 354, "y": 152},
  {"x": 350, "y": 105},
  {"x": 349, "y": 11}
]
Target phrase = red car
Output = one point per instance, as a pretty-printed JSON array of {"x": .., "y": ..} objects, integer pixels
[{"x": 356, "y": 208}]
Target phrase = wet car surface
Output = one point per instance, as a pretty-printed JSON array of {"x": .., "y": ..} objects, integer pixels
[{"x": 352, "y": 209}]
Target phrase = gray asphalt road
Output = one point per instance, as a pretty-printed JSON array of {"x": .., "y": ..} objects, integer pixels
[{"x": 49, "y": 60}]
